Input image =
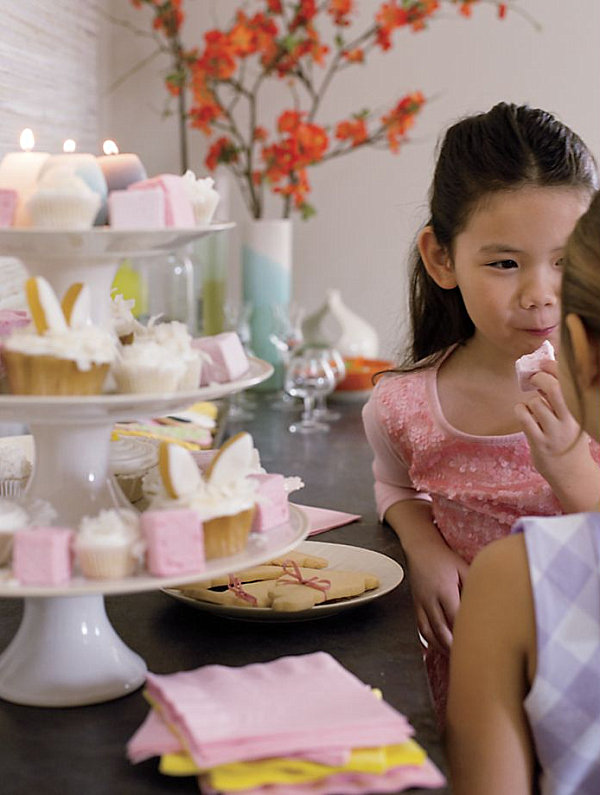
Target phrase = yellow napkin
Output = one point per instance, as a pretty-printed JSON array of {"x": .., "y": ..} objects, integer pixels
[{"x": 244, "y": 775}]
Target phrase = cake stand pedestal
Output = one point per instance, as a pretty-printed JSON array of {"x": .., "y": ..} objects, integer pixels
[{"x": 66, "y": 653}]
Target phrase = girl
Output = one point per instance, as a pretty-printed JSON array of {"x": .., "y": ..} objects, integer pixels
[
  {"x": 453, "y": 469},
  {"x": 524, "y": 688}
]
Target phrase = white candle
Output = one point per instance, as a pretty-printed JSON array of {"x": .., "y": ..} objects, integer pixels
[
  {"x": 85, "y": 166},
  {"x": 120, "y": 169},
  {"x": 20, "y": 171}
]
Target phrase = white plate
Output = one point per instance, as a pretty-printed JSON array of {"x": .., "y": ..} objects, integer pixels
[
  {"x": 260, "y": 547},
  {"x": 39, "y": 408},
  {"x": 100, "y": 241},
  {"x": 341, "y": 557}
]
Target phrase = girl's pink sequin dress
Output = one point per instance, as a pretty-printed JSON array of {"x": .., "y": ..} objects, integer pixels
[{"x": 478, "y": 485}]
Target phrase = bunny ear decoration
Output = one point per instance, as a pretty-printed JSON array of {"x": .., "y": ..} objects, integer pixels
[
  {"x": 77, "y": 305},
  {"x": 178, "y": 470},
  {"x": 44, "y": 307},
  {"x": 235, "y": 459}
]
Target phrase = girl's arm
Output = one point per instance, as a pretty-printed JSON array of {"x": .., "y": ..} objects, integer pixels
[
  {"x": 435, "y": 570},
  {"x": 490, "y": 751},
  {"x": 569, "y": 468}
]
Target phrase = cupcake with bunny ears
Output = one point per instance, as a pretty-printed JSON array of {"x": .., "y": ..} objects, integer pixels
[{"x": 61, "y": 352}]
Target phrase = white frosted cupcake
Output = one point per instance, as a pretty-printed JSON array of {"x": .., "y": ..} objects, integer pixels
[
  {"x": 176, "y": 339},
  {"x": 146, "y": 366},
  {"x": 202, "y": 195},
  {"x": 15, "y": 469},
  {"x": 125, "y": 325},
  {"x": 224, "y": 497},
  {"x": 12, "y": 519},
  {"x": 71, "y": 361},
  {"x": 109, "y": 546},
  {"x": 129, "y": 460},
  {"x": 62, "y": 200}
]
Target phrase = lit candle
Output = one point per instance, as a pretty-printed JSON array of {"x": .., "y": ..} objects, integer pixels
[
  {"x": 120, "y": 169},
  {"x": 85, "y": 166},
  {"x": 20, "y": 171}
]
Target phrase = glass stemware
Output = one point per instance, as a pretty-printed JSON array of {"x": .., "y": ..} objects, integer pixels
[
  {"x": 286, "y": 336},
  {"x": 237, "y": 318},
  {"x": 336, "y": 361},
  {"x": 308, "y": 375}
]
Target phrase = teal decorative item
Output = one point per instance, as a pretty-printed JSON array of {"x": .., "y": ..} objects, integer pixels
[{"x": 267, "y": 282}]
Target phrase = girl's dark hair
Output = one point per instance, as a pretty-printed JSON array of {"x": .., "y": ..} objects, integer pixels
[
  {"x": 508, "y": 147},
  {"x": 581, "y": 283}
]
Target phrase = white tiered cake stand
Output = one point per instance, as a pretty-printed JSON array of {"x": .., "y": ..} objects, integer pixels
[{"x": 66, "y": 652}]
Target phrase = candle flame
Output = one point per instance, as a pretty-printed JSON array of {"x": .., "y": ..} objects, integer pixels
[
  {"x": 110, "y": 148},
  {"x": 27, "y": 140},
  {"x": 69, "y": 145}
]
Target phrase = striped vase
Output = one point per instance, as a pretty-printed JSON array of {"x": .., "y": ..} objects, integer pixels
[{"x": 266, "y": 282}]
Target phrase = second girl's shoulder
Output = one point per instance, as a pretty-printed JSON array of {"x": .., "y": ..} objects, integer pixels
[{"x": 398, "y": 384}]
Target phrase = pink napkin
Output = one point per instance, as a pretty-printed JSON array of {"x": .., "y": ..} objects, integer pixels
[
  {"x": 225, "y": 714},
  {"x": 399, "y": 778},
  {"x": 322, "y": 519}
]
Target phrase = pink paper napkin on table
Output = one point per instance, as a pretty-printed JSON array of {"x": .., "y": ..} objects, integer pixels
[
  {"x": 226, "y": 714},
  {"x": 322, "y": 519}
]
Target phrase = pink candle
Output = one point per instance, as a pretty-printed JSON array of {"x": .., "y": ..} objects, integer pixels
[
  {"x": 20, "y": 171},
  {"x": 120, "y": 169}
]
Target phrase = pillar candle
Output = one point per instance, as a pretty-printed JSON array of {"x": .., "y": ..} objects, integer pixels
[
  {"x": 120, "y": 169},
  {"x": 20, "y": 171}
]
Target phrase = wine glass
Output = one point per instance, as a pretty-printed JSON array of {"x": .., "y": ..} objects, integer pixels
[
  {"x": 286, "y": 336},
  {"x": 237, "y": 318},
  {"x": 308, "y": 375},
  {"x": 336, "y": 361}
]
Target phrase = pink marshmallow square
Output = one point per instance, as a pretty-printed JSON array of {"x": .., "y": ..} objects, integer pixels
[
  {"x": 178, "y": 207},
  {"x": 228, "y": 359},
  {"x": 137, "y": 209},
  {"x": 9, "y": 199},
  {"x": 272, "y": 506},
  {"x": 42, "y": 556},
  {"x": 174, "y": 542},
  {"x": 531, "y": 363}
]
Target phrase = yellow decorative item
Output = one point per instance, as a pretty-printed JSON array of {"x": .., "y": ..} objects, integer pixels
[
  {"x": 261, "y": 772},
  {"x": 130, "y": 283}
]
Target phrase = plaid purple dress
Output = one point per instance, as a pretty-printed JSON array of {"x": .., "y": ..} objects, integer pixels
[{"x": 563, "y": 705}]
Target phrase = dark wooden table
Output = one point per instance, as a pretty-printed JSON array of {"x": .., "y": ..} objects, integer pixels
[{"x": 81, "y": 750}]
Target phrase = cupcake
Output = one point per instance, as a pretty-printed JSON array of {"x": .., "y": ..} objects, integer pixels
[
  {"x": 62, "y": 200},
  {"x": 109, "y": 546},
  {"x": 224, "y": 498},
  {"x": 146, "y": 366},
  {"x": 129, "y": 460},
  {"x": 124, "y": 323},
  {"x": 57, "y": 355},
  {"x": 12, "y": 519},
  {"x": 15, "y": 468},
  {"x": 175, "y": 338},
  {"x": 203, "y": 196}
]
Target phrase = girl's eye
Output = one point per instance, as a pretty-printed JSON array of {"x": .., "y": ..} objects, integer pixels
[{"x": 503, "y": 264}]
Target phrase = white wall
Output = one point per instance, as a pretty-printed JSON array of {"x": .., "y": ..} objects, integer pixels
[{"x": 370, "y": 204}]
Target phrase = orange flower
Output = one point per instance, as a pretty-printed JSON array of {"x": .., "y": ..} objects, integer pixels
[
  {"x": 289, "y": 121},
  {"x": 401, "y": 118},
  {"x": 222, "y": 151},
  {"x": 260, "y": 134},
  {"x": 354, "y": 56},
  {"x": 340, "y": 11},
  {"x": 218, "y": 59},
  {"x": 274, "y": 6},
  {"x": 354, "y": 130}
]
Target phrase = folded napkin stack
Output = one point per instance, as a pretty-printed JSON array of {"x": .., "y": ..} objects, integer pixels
[{"x": 297, "y": 725}]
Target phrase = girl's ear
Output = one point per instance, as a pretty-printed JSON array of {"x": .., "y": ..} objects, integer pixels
[
  {"x": 586, "y": 352},
  {"x": 436, "y": 259}
]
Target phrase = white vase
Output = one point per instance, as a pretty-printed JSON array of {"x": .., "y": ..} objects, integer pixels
[
  {"x": 266, "y": 282},
  {"x": 336, "y": 325}
]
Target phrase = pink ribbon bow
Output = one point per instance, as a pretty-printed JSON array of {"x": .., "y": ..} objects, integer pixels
[
  {"x": 292, "y": 570},
  {"x": 235, "y": 585}
]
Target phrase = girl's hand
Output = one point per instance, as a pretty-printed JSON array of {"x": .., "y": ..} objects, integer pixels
[
  {"x": 436, "y": 578},
  {"x": 560, "y": 452}
]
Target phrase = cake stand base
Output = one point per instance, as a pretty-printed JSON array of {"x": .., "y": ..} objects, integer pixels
[{"x": 65, "y": 654}]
